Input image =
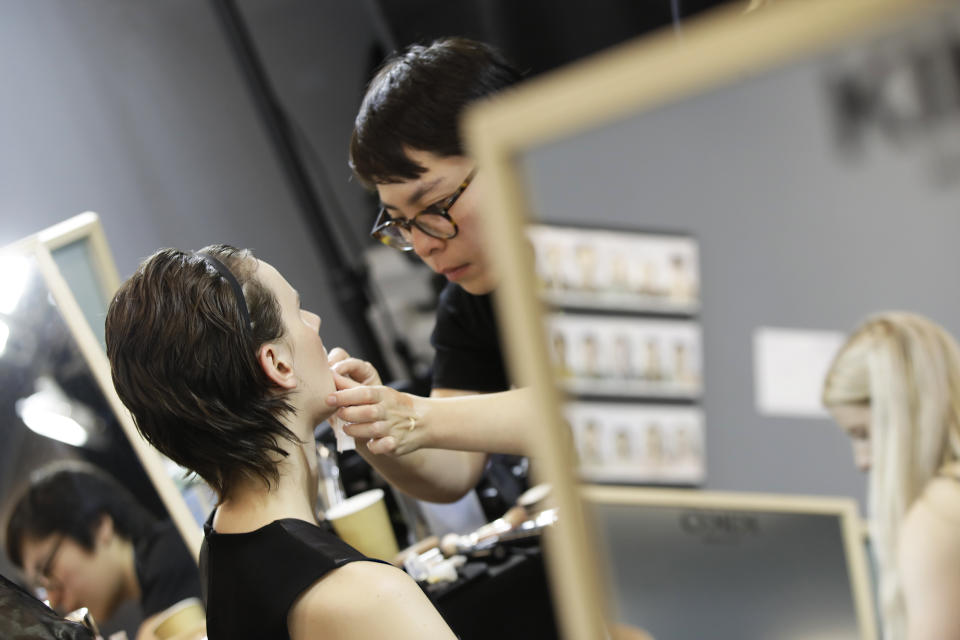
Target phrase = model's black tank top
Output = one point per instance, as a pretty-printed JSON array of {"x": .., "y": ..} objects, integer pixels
[{"x": 250, "y": 580}]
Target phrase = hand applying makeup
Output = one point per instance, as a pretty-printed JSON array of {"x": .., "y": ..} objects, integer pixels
[{"x": 385, "y": 419}]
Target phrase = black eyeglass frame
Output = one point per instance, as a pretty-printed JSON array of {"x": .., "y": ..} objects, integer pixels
[{"x": 385, "y": 221}]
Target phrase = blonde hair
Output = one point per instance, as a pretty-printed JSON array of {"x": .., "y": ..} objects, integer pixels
[{"x": 907, "y": 368}]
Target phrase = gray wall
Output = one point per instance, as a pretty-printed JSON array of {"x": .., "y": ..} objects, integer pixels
[
  {"x": 791, "y": 234},
  {"x": 136, "y": 110}
]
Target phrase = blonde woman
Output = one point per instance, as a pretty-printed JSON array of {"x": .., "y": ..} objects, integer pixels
[{"x": 894, "y": 387}]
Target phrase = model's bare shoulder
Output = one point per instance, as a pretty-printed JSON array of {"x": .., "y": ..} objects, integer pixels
[
  {"x": 365, "y": 600},
  {"x": 929, "y": 562}
]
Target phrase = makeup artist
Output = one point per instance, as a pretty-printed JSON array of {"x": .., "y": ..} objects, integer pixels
[{"x": 406, "y": 146}]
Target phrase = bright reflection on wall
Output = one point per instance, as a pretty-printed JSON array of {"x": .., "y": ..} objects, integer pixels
[
  {"x": 4, "y": 335},
  {"x": 48, "y": 413},
  {"x": 16, "y": 272}
]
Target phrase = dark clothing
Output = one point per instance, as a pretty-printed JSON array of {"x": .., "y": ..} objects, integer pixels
[
  {"x": 23, "y": 616},
  {"x": 166, "y": 571},
  {"x": 467, "y": 343},
  {"x": 251, "y": 580},
  {"x": 469, "y": 358}
]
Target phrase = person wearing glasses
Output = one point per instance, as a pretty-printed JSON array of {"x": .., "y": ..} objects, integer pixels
[
  {"x": 406, "y": 146},
  {"x": 225, "y": 374},
  {"x": 82, "y": 540}
]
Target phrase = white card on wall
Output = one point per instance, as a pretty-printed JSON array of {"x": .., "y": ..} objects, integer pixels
[{"x": 789, "y": 366}]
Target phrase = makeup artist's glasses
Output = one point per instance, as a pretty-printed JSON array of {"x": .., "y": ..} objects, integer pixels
[{"x": 435, "y": 221}]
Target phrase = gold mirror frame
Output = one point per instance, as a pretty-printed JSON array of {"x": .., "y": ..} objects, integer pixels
[{"x": 638, "y": 76}]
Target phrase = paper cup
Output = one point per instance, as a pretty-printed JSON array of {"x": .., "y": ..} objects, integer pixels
[
  {"x": 362, "y": 522},
  {"x": 184, "y": 619}
]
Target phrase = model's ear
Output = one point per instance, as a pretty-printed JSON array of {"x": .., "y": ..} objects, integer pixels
[{"x": 275, "y": 360}]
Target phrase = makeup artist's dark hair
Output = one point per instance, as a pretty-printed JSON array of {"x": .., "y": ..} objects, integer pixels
[
  {"x": 416, "y": 100},
  {"x": 184, "y": 362},
  {"x": 71, "y": 498}
]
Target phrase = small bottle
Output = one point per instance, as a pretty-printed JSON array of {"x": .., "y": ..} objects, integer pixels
[{"x": 329, "y": 486}]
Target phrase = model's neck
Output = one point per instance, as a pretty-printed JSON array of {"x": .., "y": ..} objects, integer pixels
[{"x": 251, "y": 504}]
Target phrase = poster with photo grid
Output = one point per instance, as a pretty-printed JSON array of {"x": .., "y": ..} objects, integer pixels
[
  {"x": 625, "y": 356},
  {"x": 626, "y": 348},
  {"x": 617, "y": 270},
  {"x": 638, "y": 443}
]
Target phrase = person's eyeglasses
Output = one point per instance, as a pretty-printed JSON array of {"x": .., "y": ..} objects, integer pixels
[
  {"x": 45, "y": 579},
  {"x": 435, "y": 221}
]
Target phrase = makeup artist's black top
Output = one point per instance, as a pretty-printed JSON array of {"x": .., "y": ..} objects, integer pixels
[
  {"x": 250, "y": 580},
  {"x": 467, "y": 343},
  {"x": 165, "y": 569},
  {"x": 469, "y": 357}
]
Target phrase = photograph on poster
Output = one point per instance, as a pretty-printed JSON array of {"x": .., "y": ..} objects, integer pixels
[
  {"x": 626, "y": 356},
  {"x": 630, "y": 443},
  {"x": 616, "y": 270}
]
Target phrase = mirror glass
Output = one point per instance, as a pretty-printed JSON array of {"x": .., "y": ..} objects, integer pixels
[
  {"x": 51, "y": 405},
  {"x": 56, "y": 398},
  {"x": 76, "y": 262},
  {"x": 815, "y": 194}
]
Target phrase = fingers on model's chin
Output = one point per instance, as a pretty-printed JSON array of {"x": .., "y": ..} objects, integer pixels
[{"x": 343, "y": 383}]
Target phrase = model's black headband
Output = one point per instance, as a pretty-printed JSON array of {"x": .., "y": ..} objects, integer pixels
[{"x": 237, "y": 289}]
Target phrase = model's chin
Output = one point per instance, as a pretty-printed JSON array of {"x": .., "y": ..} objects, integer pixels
[{"x": 324, "y": 415}]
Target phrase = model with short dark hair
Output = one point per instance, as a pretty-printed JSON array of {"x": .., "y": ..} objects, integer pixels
[
  {"x": 226, "y": 374},
  {"x": 192, "y": 361}
]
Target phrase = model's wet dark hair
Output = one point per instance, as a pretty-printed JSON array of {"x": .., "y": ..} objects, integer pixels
[
  {"x": 71, "y": 498},
  {"x": 415, "y": 102},
  {"x": 184, "y": 362}
]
